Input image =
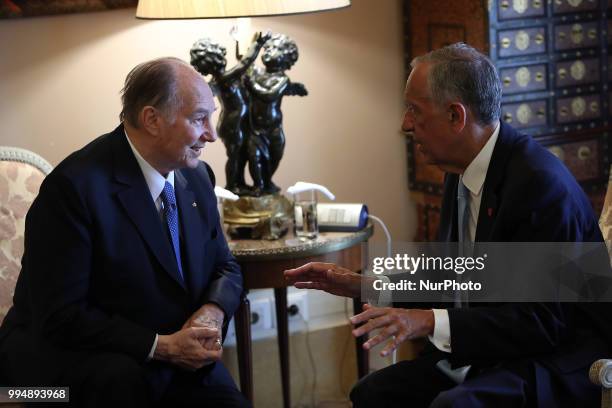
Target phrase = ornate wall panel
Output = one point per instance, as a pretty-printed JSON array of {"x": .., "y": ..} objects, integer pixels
[
  {"x": 576, "y": 35},
  {"x": 508, "y": 9},
  {"x": 429, "y": 25},
  {"x": 583, "y": 154},
  {"x": 523, "y": 115},
  {"x": 523, "y": 78},
  {"x": 577, "y": 72},
  {"x": 521, "y": 42}
]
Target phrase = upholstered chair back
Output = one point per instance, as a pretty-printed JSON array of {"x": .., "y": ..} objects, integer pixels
[
  {"x": 21, "y": 174},
  {"x": 605, "y": 220},
  {"x": 600, "y": 372}
]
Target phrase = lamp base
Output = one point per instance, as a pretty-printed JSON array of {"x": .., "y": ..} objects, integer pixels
[{"x": 267, "y": 217}]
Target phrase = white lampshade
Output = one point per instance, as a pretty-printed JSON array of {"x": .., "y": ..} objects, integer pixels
[{"x": 177, "y": 9}]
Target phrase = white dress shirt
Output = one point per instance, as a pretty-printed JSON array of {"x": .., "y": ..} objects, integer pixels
[
  {"x": 155, "y": 182},
  {"x": 473, "y": 178}
]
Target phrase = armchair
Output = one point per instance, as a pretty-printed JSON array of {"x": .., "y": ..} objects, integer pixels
[
  {"x": 600, "y": 372},
  {"x": 21, "y": 174}
]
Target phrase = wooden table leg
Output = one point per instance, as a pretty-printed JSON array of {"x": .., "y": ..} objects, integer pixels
[
  {"x": 280, "y": 298},
  {"x": 363, "y": 363},
  {"x": 243, "y": 348}
]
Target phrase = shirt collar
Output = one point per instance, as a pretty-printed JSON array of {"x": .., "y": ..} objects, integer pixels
[
  {"x": 474, "y": 175},
  {"x": 155, "y": 181}
]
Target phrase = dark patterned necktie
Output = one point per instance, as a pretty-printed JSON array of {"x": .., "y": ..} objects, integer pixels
[
  {"x": 463, "y": 216},
  {"x": 463, "y": 212},
  {"x": 171, "y": 216}
]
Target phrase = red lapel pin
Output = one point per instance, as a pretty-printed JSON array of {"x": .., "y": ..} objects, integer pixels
[{"x": 490, "y": 212}]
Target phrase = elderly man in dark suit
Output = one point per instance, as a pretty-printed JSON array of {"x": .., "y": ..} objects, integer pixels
[
  {"x": 127, "y": 280},
  {"x": 500, "y": 355}
]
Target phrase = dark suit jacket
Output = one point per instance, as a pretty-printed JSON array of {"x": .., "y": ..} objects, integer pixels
[
  {"x": 99, "y": 273},
  {"x": 528, "y": 196}
]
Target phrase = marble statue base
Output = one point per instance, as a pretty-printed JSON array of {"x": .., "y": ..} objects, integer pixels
[{"x": 266, "y": 217}]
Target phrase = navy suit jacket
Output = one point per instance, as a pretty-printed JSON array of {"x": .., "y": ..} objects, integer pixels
[
  {"x": 99, "y": 273},
  {"x": 528, "y": 196}
]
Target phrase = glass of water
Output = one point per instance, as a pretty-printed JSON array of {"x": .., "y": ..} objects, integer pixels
[{"x": 305, "y": 213}]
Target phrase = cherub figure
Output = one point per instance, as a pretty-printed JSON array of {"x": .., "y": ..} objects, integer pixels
[
  {"x": 208, "y": 58},
  {"x": 266, "y": 141}
]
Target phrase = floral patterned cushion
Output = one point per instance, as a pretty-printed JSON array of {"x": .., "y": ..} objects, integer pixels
[
  {"x": 19, "y": 184},
  {"x": 605, "y": 220}
]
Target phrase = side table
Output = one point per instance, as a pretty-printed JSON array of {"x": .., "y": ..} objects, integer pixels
[{"x": 263, "y": 263}]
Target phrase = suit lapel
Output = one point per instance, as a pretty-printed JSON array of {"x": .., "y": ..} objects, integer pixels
[
  {"x": 486, "y": 215},
  {"x": 135, "y": 197},
  {"x": 193, "y": 226},
  {"x": 493, "y": 181}
]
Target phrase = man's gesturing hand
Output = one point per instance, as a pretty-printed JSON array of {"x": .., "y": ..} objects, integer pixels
[
  {"x": 403, "y": 324},
  {"x": 327, "y": 277},
  {"x": 184, "y": 348}
]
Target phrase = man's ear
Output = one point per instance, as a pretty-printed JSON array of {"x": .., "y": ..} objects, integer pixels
[
  {"x": 151, "y": 119},
  {"x": 457, "y": 116}
]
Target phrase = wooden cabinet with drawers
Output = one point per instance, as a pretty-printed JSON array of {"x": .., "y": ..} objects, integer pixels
[{"x": 554, "y": 58}]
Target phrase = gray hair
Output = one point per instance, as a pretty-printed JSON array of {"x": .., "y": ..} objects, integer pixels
[
  {"x": 460, "y": 72},
  {"x": 152, "y": 83}
]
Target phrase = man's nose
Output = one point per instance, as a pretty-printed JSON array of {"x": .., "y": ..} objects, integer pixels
[
  {"x": 407, "y": 123},
  {"x": 210, "y": 133}
]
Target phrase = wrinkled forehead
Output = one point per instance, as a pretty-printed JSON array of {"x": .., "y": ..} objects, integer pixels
[{"x": 196, "y": 93}]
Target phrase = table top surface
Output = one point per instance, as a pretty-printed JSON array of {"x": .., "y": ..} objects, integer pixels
[{"x": 292, "y": 247}]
